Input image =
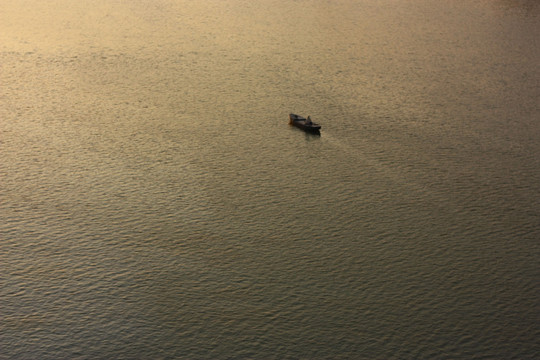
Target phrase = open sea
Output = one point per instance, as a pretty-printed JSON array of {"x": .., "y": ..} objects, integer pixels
[{"x": 155, "y": 203}]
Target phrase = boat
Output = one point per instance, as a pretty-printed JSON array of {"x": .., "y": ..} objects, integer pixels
[{"x": 303, "y": 123}]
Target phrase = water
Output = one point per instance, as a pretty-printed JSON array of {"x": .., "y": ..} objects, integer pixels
[{"x": 155, "y": 203}]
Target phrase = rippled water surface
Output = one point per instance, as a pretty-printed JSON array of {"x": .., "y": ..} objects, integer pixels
[{"x": 155, "y": 203}]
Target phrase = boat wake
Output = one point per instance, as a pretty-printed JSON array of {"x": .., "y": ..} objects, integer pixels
[{"x": 340, "y": 144}]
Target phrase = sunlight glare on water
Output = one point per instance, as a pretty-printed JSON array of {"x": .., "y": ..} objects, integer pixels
[{"x": 155, "y": 203}]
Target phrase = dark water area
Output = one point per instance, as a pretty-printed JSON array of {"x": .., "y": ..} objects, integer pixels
[{"x": 155, "y": 203}]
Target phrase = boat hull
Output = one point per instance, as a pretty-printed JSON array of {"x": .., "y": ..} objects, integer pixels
[{"x": 302, "y": 123}]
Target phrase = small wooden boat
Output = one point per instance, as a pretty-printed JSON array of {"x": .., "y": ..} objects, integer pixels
[{"x": 303, "y": 123}]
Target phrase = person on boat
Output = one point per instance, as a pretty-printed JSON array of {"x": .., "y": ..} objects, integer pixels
[{"x": 308, "y": 121}]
